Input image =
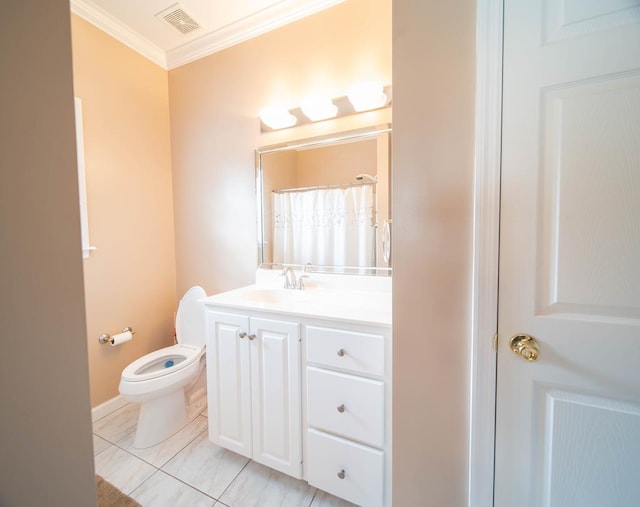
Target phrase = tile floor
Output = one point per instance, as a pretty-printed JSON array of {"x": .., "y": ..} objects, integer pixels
[{"x": 188, "y": 470}]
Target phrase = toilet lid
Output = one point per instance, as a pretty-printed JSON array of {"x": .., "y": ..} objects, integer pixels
[{"x": 191, "y": 318}]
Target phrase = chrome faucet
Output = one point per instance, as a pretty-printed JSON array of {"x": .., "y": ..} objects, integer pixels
[{"x": 290, "y": 280}]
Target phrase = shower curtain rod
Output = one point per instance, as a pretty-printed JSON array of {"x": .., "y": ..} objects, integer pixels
[{"x": 324, "y": 187}]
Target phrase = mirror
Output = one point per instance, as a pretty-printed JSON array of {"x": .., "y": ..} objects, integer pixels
[{"x": 326, "y": 202}]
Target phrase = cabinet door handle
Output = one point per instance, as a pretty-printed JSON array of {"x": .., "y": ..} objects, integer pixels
[
  {"x": 341, "y": 352},
  {"x": 341, "y": 474},
  {"x": 242, "y": 334},
  {"x": 252, "y": 337},
  {"x": 340, "y": 408}
]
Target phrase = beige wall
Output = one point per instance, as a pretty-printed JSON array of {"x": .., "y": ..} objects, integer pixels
[
  {"x": 433, "y": 121},
  {"x": 45, "y": 424},
  {"x": 214, "y": 127},
  {"x": 130, "y": 278},
  {"x": 336, "y": 164}
]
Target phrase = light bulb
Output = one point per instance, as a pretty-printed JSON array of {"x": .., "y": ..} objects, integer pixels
[
  {"x": 319, "y": 108},
  {"x": 277, "y": 117},
  {"x": 366, "y": 96}
]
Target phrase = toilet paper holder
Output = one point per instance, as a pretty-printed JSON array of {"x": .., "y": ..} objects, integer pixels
[{"x": 106, "y": 338}]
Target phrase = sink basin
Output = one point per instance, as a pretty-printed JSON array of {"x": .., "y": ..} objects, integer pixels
[{"x": 275, "y": 296}]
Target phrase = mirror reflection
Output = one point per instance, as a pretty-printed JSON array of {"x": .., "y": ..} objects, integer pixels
[{"x": 326, "y": 202}]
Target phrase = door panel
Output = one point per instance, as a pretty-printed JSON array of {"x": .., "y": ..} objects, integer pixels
[
  {"x": 228, "y": 382},
  {"x": 588, "y": 203},
  {"x": 568, "y": 425},
  {"x": 276, "y": 397},
  {"x": 586, "y": 439},
  {"x": 573, "y": 18}
]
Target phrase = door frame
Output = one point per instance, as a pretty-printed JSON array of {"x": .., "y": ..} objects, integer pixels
[{"x": 486, "y": 243}]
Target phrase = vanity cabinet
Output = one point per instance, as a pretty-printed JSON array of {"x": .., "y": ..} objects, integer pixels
[
  {"x": 347, "y": 413},
  {"x": 254, "y": 388},
  {"x": 300, "y": 381}
]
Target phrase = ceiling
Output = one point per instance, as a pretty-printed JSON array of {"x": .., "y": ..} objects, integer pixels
[{"x": 140, "y": 24}]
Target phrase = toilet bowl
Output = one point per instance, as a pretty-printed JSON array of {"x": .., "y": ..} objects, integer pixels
[{"x": 170, "y": 383}]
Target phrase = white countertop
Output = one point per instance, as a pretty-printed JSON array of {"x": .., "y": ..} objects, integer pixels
[{"x": 347, "y": 298}]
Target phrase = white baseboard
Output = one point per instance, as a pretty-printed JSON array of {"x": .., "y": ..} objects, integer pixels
[{"x": 107, "y": 408}]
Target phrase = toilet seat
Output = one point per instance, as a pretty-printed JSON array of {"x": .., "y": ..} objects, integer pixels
[
  {"x": 191, "y": 318},
  {"x": 186, "y": 354},
  {"x": 148, "y": 386}
]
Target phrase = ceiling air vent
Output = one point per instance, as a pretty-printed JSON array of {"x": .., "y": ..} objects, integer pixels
[{"x": 179, "y": 19}]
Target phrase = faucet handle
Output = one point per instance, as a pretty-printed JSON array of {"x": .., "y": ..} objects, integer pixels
[
  {"x": 301, "y": 281},
  {"x": 289, "y": 278}
]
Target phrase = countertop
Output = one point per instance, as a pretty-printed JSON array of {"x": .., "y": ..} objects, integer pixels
[{"x": 354, "y": 299}]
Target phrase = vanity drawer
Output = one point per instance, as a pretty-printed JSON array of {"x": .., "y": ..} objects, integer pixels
[
  {"x": 348, "y": 470},
  {"x": 347, "y": 350},
  {"x": 349, "y": 406}
]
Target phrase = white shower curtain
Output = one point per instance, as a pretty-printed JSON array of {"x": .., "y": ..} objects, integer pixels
[{"x": 328, "y": 227}]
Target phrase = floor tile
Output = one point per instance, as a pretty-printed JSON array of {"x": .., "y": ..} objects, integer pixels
[
  {"x": 159, "y": 454},
  {"x": 124, "y": 471},
  {"x": 99, "y": 444},
  {"x": 206, "y": 466},
  {"x": 162, "y": 490},
  {"x": 118, "y": 424},
  {"x": 324, "y": 499},
  {"x": 259, "y": 486}
]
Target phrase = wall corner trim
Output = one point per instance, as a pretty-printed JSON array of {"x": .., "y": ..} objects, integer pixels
[{"x": 489, "y": 31}]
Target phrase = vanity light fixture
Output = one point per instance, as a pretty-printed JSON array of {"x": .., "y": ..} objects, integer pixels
[
  {"x": 277, "y": 117},
  {"x": 362, "y": 97},
  {"x": 366, "y": 96},
  {"x": 319, "y": 108}
]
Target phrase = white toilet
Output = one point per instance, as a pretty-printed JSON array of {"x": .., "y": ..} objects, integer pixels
[{"x": 170, "y": 383}]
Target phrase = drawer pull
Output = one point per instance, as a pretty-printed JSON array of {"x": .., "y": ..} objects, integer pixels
[
  {"x": 341, "y": 408},
  {"x": 341, "y": 474},
  {"x": 242, "y": 334},
  {"x": 341, "y": 352},
  {"x": 252, "y": 337}
]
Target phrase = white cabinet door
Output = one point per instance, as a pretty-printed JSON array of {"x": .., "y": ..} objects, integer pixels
[
  {"x": 228, "y": 382},
  {"x": 275, "y": 396},
  {"x": 568, "y": 424},
  {"x": 254, "y": 389}
]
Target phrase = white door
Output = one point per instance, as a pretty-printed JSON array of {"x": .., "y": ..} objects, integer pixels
[
  {"x": 228, "y": 382},
  {"x": 568, "y": 424},
  {"x": 275, "y": 397}
]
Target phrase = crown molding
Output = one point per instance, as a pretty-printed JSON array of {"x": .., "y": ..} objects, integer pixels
[
  {"x": 119, "y": 31},
  {"x": 244, "y": 29}
]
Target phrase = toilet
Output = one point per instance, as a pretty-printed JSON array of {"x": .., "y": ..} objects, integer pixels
[{"x": 170, "y": 383}]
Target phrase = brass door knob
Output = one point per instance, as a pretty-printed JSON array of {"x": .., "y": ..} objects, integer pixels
[{"x": 525, "y": 347}]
